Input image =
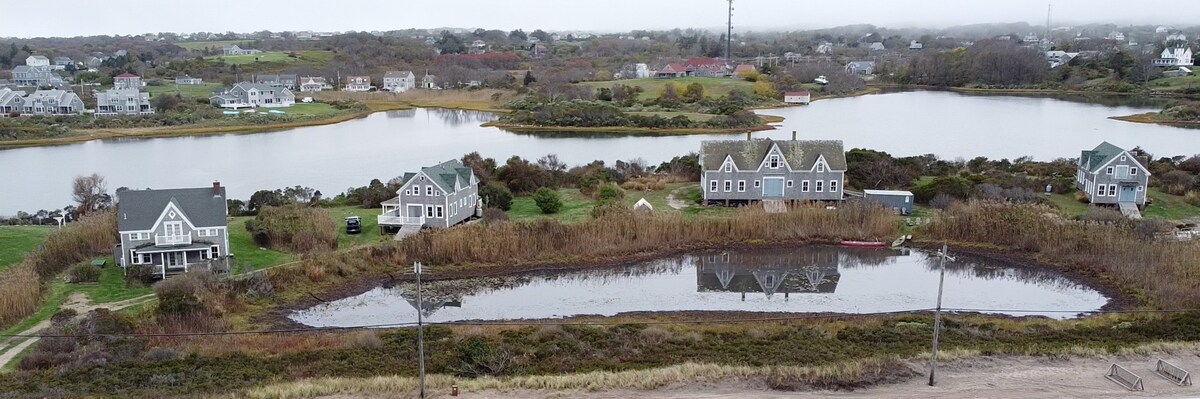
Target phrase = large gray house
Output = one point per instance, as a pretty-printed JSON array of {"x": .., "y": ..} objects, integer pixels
[
  {"x": 1110, "y": 175},
  {"x": 442, "y": 195},
  {"x": 11, "y": 101},
  {"x": 26, "y": 75},
  {"x": 53, "y": 102},
  {"x": 745, "y": 171},
  {"x": 114, "y": 102},
  {"x": 250, "y": 95},
  {"x": 282, "y": 80},
  {"x": 173, "y": 230},
  {"x": 399, "y": 81}
]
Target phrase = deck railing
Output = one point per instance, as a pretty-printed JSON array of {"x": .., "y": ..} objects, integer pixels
[
  {"x": 185, "y": 239},
  {"x": 400, "y": 220}
]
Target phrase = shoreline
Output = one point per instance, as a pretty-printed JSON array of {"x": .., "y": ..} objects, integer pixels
[
  {"x": 1151, "y": 118},
  {"x": 1153, "y": 94},
  {"x": 767, "y": 120},
  {"x": 181, "y": 131}
]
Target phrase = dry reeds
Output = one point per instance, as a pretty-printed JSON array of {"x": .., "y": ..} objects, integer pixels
[
  {"x": 21, "y": 285},
  {"x": 1163, "y": 270},
  {"x": 848, "y": 374},
  {"x": 618, "y": 235},
  {"x": 294, "y": 228}
]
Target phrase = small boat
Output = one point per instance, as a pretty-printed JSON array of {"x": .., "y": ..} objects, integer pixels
[
  {"x": 871, "y": 244},
  {"x": 277, "y": 112}
]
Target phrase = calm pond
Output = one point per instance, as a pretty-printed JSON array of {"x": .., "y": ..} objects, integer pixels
[
  {"x": 800, "y": 280},
  {"x": 384, "y": 145}
]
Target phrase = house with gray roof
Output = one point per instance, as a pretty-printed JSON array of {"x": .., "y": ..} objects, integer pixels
[
  {"x": 53, "y": 102},
  {"x": 441, "y": 195},
  {"x": 1110, "y": 175},
  {"x": 188, "y": 80},
  {"x": 235, "y": 50},
  {"x": 861, "y": 67},
  {"x": 124, "y": 101},
  {"x": 173, "y": 230},
  {"x": 311, "y": 84},
  {"x": 399, "y": 81},
  {"x": 747, "y": 171},
  {"x": 252, "y": 95},
  {"x": 11, "y": 101},
  {"x": 26, "y": 75},
  {"x": 282, "y": 80}
]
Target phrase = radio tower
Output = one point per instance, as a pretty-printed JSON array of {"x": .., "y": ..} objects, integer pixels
[
  {"x": 1049, "y": 11},
  {"x": 729, "y": 32}
]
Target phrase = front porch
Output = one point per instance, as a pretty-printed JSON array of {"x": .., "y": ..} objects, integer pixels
[
  {"x": 168, "y": 261},
  {"x": 395, "y": 216}
]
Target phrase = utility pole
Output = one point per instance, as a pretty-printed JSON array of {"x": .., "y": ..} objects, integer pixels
[
  {"x": 729, "y": 33},
  {"x": 937, "y": 316},
  {"x": 420, "y": 331},
  {"x": 1049, "y": 12}
]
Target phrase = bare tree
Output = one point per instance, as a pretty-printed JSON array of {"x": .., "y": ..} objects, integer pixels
[{"x": 90, "y": 193}]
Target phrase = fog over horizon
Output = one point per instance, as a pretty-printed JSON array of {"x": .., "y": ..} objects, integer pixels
[{"x": 87, "y": 18}]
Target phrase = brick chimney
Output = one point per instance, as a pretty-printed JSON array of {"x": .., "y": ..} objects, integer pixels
[
  {"x": 793, "y": 135},
  {"x": 748, "y": 138},
  {"x": 216, "y": 188}
]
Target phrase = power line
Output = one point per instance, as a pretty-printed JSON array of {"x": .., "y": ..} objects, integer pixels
[{"x": 597, "y": 323}]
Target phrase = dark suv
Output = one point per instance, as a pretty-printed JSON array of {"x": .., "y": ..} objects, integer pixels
[{"x": 353, "y": 225}]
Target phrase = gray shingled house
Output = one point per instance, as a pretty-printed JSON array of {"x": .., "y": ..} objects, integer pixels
[
  {"x": 174, "y": 229},
  {"x": 442, "y": 195},
  {"x": 745, "y": 171},
  {"x": 1110, "y": 175}
]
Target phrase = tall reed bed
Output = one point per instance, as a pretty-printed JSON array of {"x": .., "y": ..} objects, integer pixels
[
  {"x": 294, "y": 228},
  {"x": 1166, "y": 272},
  {"x": 21, "y": 285},
  {"x": 624, "y": 234}
]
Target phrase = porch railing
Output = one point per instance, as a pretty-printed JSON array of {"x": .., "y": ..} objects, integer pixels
[
  {"x": 400, "y": 220},
  {"x": 185, "y": 239}
]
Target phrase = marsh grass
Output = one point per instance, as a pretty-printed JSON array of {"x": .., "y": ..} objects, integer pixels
[{"x": 1161, "y": 272}]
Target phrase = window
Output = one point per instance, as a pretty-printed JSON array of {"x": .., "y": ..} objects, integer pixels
[
  {"x": 428, "y": 211},
  {"x": 907, "y": 199},
  {"x": 741, "y": 186},
  {"x": 728, "y": 185},
  {"x": 820, "y": 167},
  {"x": 439, "y": 212},
  {"x": 1139, "y": 188},
  {"x": 820, "y": 186},
  {"x": 174, "y": 228},
  {"x": 757, "y": 183},
  {"x": 1109, "y": 171},
  {"x": 728, "y": 168},
  {"x": 216, "y": 251},
  {"x": 1112, "y": 190},
  {"x": 789, "y": 184},
  {"x": 134, "y": 258},
  {"x": 146, "y": 258},
  {"x": 804, "y": 186},
  {"x": 833, "y": 186},
  {"x": 712, "y": 185},
  {"x": 429, "y": 191},
  {"x": 773, "y": 162},
  {"x": 1133, "y": 171},
  {"x": 1122, "y": 158}
]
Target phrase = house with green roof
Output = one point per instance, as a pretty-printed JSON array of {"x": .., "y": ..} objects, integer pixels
[
  {"x": 173, "y": 230},
  {"x": 747, "y": 171},
  {"x": 1110, "y": 175},
  {"x": 441, "y": 195}
]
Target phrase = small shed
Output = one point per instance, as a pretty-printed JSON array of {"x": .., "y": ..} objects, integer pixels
[
  {"x": 900, "y": 201},
  {"x": 797, "y": 97},
  {"x": 643, "y": 207}
]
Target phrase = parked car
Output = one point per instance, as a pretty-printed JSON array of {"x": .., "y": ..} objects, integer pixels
[{"x": 353, "y": 225}]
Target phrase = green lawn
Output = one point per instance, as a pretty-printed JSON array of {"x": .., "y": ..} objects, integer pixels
[
  {"x": 245, "y": 251},
  {"x": 713, "y": 87},
  {"x": 1170, "y": 207},
  {"x": 370, "y": 226},
  {"x": 576, "y": 208},
  {"x": 695, "y": 116},
  {"x": 304, "y": 57},
  {"x": 15, "y": 241},
  {"x": 1068, "y": 205},
  {"x": 187, "y": 91},
  {"x": 311, "y": 109},
  {"x": 214, "y": 43},
  {"x": 1178, "y": 83},
  {"x": 111, "y": 287}
]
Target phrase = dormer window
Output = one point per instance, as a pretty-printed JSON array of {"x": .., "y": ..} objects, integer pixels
[
  {"x": 728, "y": 168},
  {"x": 820, "y": 167},
  {"x": 773, "y": 162},
  {"x": 1109, "y": 171},
  {"x": 1133, "y": 171}
]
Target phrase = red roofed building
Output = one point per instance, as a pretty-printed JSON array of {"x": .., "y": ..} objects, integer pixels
[
  {"x": 705, "y": 66},
  {"x": 671, "y": 71},
  {"x": 127, "y": 81}
]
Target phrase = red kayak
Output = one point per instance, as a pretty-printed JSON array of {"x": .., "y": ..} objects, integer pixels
[{"x": 873, "y": 244}]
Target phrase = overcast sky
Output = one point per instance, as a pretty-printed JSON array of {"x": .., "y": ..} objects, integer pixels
[{"x": 93, "y": 17}]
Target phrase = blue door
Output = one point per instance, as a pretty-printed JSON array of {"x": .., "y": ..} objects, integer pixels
[
  {"x": 772, "y": 188},
  {"x": 1127, "y": 194}
]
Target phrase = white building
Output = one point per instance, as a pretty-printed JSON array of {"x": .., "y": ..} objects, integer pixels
[
  {"x": 37, "y": 61},
  {"x": 1178, "y": 56},
  {"x": 643, "y": 71},
  {"x": 399, "y": 81}
]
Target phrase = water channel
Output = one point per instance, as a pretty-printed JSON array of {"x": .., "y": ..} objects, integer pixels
[
  {"x": 799, "y": 280},
  {"x": 383, "y": 145}
]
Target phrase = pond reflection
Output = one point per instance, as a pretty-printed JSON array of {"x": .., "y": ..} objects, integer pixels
[{"x": 801, "y": 280}]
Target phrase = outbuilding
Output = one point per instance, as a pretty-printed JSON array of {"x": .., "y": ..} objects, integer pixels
[
  {"x": 797, "y": 97},
  {"x": 900, "y": 201}
]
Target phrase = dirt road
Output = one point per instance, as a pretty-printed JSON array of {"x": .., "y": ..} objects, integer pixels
[{"x": 77, "y": 302}]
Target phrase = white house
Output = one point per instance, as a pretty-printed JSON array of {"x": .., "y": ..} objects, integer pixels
[
  {"x": 235, "y": 50},
  {"x": 399, "y": 81},
  {"x": 310, "y": 84},
  {"x": 250, "y": 95},
  {"x": 1178, "y": 56},
  {"x": 37, "y": 61},
  {"x": 643, "y": 71},
  {"x": 188, "y": 80},
  {"x": 358, "y": 83}
]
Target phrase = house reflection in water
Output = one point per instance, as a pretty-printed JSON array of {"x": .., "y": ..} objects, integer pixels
[
  {"x": 813, "y": 270},
  {"x": 432, "y": 303}
]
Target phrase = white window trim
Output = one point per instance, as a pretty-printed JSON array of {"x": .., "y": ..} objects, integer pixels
[
  {"x": 757, "y": 183},
  {"x": 712, "y": 186},
  {"x": 440, "y": 211},
  {"x": 833, "y": 186},
  {"x": 1133, "y": 171},
  {"x": 741, "y": 186},
  {"x": 1108, "y": 171},
  {"x": 1112, "y": 190},
  {"x": 728, "y": 184},
  {"x": 804, "y": 186},
  {"x": 820, "y": 186},
  {"x": 788, "y": 184}
]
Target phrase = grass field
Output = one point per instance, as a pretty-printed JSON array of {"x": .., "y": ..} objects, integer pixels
[
  {"x": 713, "y": 87},
  {"x": 214, "y": 43},
  {"x": 576, "y": 208},
  {"x": 187, "y": 91},
  {"x": 1166, "y": 206},
  {"x": 245, "y": 251},
  {"x": 15, "y": 241},
  {"x": 1177, "y": 83},
  {"x": 304, "y": 57},
  {"x": 370, "y": 226}
]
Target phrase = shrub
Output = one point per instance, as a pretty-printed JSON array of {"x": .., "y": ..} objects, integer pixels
[
  {"x": 293, "y": 228},
  {"x": 610, "y": 193},
  {"x": 136, "y": 275},
  {"x": 20, "y": 292},
  {"x": 1192, "y": 197},
  {"x": 496, "y": 195},
  {"x": 494, "y": 216},
  {"x": 83, "y": 273},
  {"x": 548, "y": 200},
  {"x": 193, "y": 293}
]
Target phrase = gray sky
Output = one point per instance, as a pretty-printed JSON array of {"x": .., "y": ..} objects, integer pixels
[{"x": 92, "y": 17}]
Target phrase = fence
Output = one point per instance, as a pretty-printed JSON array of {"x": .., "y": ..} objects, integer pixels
[
  {"x": 1125, "y": 378},
  {"x": 1172, "y": 373}
]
